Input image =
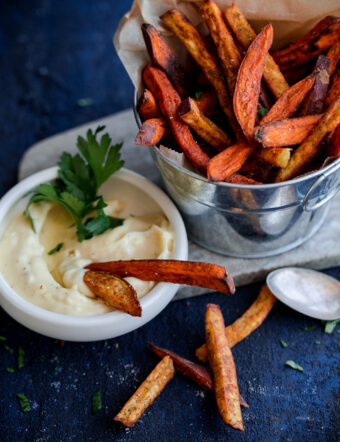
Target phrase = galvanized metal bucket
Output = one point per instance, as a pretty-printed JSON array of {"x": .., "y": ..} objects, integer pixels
[{"x": 248, "y": 221}]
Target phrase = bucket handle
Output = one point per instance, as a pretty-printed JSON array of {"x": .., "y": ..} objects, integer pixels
[{"x": 309, "y": 207}]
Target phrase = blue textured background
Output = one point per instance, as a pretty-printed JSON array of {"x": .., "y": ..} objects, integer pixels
[{"x": 51, "y": 55}]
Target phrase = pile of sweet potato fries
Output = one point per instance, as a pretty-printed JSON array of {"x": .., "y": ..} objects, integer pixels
[
  {"x": 217, "y": 350},
  {"x": 242, "y": 115}
]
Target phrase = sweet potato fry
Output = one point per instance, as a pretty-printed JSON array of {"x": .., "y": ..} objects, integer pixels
[
  {"x": 165, "y": 58},
  {"x": 223, "y": 367},
  {"x": 240, "y": 179},
  {"x": 248, "y": 84},
  {"x": 276, "y": 156},
  {"x": 333, "y": 55},
  {"x": 205, "y": 128},
  {"x": 200, "y": 274},
  {"x": 314, "y": 101},
  {"x": 334, "y": 89},
  {"x": 168, "y": 101},
  {"x": 207, "y": 103},
  {"x": 151, "y": 132},
  {"x": 308, "y": 150},
  {"x": 317, "y": 40},
  {"x": 114, "y": 291},
  {"x": 180, "y": 25},
  {"x": 258, "y": 170},
  {"x": 247, "y": 323},
  {"x": 286, "y": 132},
  {"x": 227, "y": 51},
  {"x": 289, "y": 101},
  {"x": 245, "y": 35},
  {"x": 147, "y": 106},
  {"x": 229, "y": 161},
  {"x": 197, "y": 373},
  {"x": 146, "y": 393},
  {"x": 334, "y": 147}
]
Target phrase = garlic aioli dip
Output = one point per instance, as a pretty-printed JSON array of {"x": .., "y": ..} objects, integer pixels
[{"x": 55, "y": 282}]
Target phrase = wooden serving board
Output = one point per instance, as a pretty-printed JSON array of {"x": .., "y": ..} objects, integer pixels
[{"x": 319, "y": 252}]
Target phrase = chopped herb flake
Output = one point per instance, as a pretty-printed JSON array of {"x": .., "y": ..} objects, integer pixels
[
  {"x": 24, "y": 402},
  {"x": 309, "y": 328},
  {"x": 8, "y": 348},
  {"x": 318, "y": 342},
  {"x": 10, "y": 370},
  {"x": 262, "y": 112},
  {"x": 21, "y": 358},
  {"x": 283, "y": 343},
  {"x": 96, "y": 402},
  {"x": 2, "y": 338},
  {"x": 44, "y": 359},
  {"x": 294, "y": 365},
  {"x": 198, "y": 95},
  {"x": 330, "y": 326},
  {"x": 85, "y": 102},
  {"x": 56, "y": 248},
  {"x": 57, "y": 365}
]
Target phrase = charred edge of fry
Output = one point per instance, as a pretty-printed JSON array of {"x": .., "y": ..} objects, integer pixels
[
  {"x": 241, "y": 179},
  {"x": 245, "y": 34},
  {"x": 248, "y": 84},
  {"x": 251, "y": 319},
  {"x": 223, "y": 367},
  {"x": 114, "y": 291},
  {"x": 151, "y": 132},
  {"x": 205, "y": 128},
  {"x": 177, "y": 272},
  {"x": 334, "y": 147},
  {"x": 286, "y": 132},
  {"x": 289, "y": 101},
  {"x": 146, "y": 393},
  {"x": 165, "y": 58},
  {"x": 147, "y": 106},
  {"x": 228, "y": 53}
]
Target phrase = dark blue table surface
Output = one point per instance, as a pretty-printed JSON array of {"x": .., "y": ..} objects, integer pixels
[{"x": 51, "y": 55}]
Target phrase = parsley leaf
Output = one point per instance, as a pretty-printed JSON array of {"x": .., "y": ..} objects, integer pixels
[
  {"x": 8, "y": 348},
  {"x": 308, "y": 328},
  {"x": 24, "y": 402},
  {"x": 318, "y": 342},
  {"x": 79, "y": 179},
  {"x": 96, "y": 402},
  {"x": 262, "y": 112},
  {"x": 283, "y": 343},
  {"x": 294, "y": 365},
  {"x": 2, "y": 338},
  {"x": 56, "y": 248},
  {"x": 10, "y": 370},
  {"x": 84, "y": 102},
  {"x": 21, "y": 358},
  {"x": 330, "y": 326},
  {"x": 198, "y": 94}
]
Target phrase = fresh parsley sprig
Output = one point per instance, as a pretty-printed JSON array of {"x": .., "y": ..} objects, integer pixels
[{"x": 79, "y": 178}]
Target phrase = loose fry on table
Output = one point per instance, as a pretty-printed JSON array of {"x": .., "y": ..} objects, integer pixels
[
  {"x": 314, "y": 101},
  {"x": 289, "y": 101},
  {"x": 114, "y": 291},
  {"x": 200, "y": 274},
  {"x": 229, "y": 161},
  {"x": 240, "y": 179},
  {"x": 168, "y": 101},
  {"x": 334, "y": 89},
  {"x": 180, "y": 25},
  {"x": 276, "y": 156},
  {"x": 197, "y": 373},
  {"x": 151, "y": 132},
  {"x": 334, "y": 147},
  {"x": 146, "y": 393},
  {"x": 286, "y": 132},
  {"x": 248, "y": 84},
  {"x": 165, "y": 58},
  {"x": 317, "y": 40},
  {"x": 205, "y": 128},
  {"x": 245, "y": 35},
  {"x": 247, "y": 323},
  {"x": 207, "y": 103},
  {"x": 227, "y": 51},
  {"x": 308, "y": 150},
  {"x": 147, "y": 106},
  {"x": 223, "y": 367}
]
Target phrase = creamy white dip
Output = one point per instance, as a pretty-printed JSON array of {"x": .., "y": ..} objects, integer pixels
[{"x": 55, "y": 282}]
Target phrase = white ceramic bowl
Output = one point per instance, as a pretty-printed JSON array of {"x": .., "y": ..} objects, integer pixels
[{"x": 89, "y": 328}]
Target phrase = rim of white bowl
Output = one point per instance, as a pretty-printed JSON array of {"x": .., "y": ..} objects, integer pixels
[{"x": 180, "y": 248}]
